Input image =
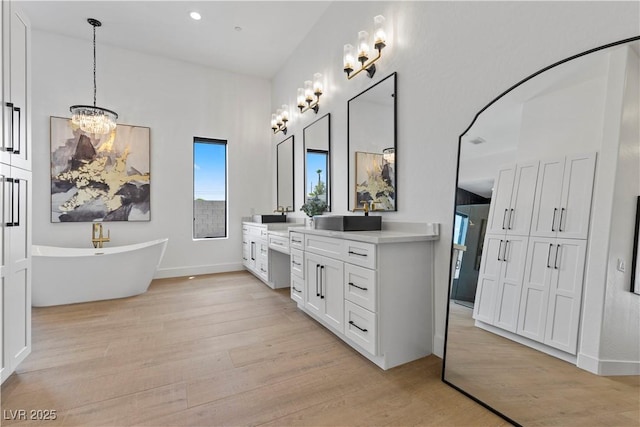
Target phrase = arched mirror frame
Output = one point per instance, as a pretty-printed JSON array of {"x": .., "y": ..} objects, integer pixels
[
  {"x": 280, "y": 162},
  {"x": 307, "y": 147},
  {"x": 452, "y": 254}
]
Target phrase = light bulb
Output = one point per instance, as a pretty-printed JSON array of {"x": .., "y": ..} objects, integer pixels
[
  {"x": 308, "y": 91},
  {"x": 349, "y": 58},
  {"x": 379, "y": 36},
  {"x": 279, "y": 121},
  {"x": 274, "y": 122},
  {"x": 363, "y": 46},
  {"x": 317, "y": 84},
  {"x": 300, "y": 97},
  {"x": 285, "y": 113}
]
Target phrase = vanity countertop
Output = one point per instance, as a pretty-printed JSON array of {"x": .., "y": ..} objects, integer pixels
[
  {"x": 401, "y": 234},
  {"x": 275, "y": 227}
]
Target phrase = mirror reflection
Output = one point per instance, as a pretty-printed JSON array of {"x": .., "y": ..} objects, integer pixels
[
  {"x": 538, "y": 319},
  {"x": 372, "y": 147},
  {"x": 317, "y": 160},
  {"x": 285, "y": 174}
]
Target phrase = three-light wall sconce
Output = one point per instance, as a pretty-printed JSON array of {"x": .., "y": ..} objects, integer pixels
[
  {"x": 279, "y": 120},
  {"x": 309, "y": 96},
  {"x": 362, "y": 52}
]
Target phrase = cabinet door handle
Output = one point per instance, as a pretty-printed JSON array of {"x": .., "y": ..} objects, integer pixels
[
  {"x": 504, "y": 254},
  {"x": 553, "y": 221},
  {"x": 10, "y": 203},
  {"x": 16, "y": 151},
  {"x": 549, "y": 255},
  {"x": 273, "y": 242},
  {"x": 555, "y": 262},
  {"x": 253, "y": 250},
  {"x": 353, "y": 324},
  {"x": 504, "y": 217},
  {"x": 317, "y": 280},
  {"x": 322, "y": 282},
  {"x": 356, "y": 253},
  {"x": 560, "y": 222},
  {"x": 296, "y": 289},
  {"x": 356, "y": 286},
  {"x": 499, "y": 250},
  {"x": 510, "y": 218},
  {"x": 9, "y": 131}
]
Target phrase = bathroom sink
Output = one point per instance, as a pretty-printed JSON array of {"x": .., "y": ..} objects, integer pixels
[
  {"x": 347, "y": 222},
  {"x": 264, "y": 219}
]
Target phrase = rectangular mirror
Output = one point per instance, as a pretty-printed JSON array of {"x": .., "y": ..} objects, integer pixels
[
  {"x": 371, "y": 144},
  {"x": 317, "y": 160},
  {"x": 285, "y": 171}
]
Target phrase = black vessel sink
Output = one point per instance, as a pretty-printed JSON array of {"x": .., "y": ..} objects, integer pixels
[
  {"x": 264, "y": 219},
  {"x": 347, "y": 222}
]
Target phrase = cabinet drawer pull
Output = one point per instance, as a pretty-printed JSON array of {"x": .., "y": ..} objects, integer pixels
[
  {"x": 321, "y": 282},
  {"x": 356, "y": 253},
  {"x": 549, "y": 255},
  {"x": 295, "y": 263},
  {"x": 317, "y": 280},
  {"x": 504, "y": 254},
  {"x": 356, "y": 286},
  {"x": 245, "y": 258},
  {"x": 510, "y": 219},
  {"x": 504, "y": 217},
  {"x": 553, "y": 221},
  {"x": 499, "y": 250},
  {"x": 555, "y": 262},
  {"x": 560, "y": 222},
  {"x": 263, "y": 270},
  {"x": 353, "y": 324},
  {"x": 277, "y": 243},
  {"x": 296, "y": 241},
  {"x": 296, "y": 289}
]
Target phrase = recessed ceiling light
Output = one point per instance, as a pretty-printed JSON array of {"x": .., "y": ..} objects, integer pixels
[
  {"x": 195, "y": 15},
  {"x": 237, "y": 28},
  {"x": 477, "y": 140}
]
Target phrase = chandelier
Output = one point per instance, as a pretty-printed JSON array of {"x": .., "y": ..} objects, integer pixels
[{"x": 90, "y": 118}]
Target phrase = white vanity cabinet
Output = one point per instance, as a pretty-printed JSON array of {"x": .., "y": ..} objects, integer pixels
[{"x": 372, "y": 289}]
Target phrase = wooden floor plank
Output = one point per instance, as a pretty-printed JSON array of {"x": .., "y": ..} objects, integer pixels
[{"x": 224, "y": 349}]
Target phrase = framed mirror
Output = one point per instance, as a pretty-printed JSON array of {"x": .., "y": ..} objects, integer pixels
[
  {"x": 317, "y": 160},
  {"x": 548, "y": 177},
  {"x": 371, "y": 142},
  {"x": 285, "y": 173}
]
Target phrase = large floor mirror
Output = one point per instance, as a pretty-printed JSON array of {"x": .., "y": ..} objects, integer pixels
[{"x": 540, "y": 308}]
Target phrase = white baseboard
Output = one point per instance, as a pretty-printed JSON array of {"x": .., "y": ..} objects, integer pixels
[
  {"x": 608, "y": 367},
  {"x": 164, "y": 273}
]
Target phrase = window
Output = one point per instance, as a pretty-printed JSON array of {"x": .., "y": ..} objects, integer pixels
[{"x": 209, "y": 188}]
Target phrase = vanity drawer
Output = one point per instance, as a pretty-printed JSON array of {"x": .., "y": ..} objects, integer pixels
[
  {"x": 297, "y": 263},
  {"x": 297, "y": 289},
  {"x": 262, "y": 249},
  {"x": 262, "y": 268},
  {"x": 326, "y": 246},
  {"x": 296, "y": 240},
  {"x": 264, "y": 234},
  {"x": 360, "y": 286},
  {"x": 279, "y": 243},
  {"x": 359, "y": 253},
  {"x": 361, "y": 327}
]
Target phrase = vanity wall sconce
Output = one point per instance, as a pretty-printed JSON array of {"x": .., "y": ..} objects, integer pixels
[
  {"x": 379, "y": 42},
  {"x": 279, "y": 120},
  {"x": 309, "y": 97}
]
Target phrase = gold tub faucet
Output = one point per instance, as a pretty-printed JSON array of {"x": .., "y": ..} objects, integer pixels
[{"x": 97, "y": 237}]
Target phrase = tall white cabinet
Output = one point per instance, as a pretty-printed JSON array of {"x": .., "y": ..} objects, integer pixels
[
  {"x": 532, "y": 269},
  {"x": 15, "y": 173}
]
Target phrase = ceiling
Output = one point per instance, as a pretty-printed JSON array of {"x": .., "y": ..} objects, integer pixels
[{"x": 247, "y": 37}]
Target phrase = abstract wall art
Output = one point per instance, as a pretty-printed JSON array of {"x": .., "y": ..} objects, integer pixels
[
  {"x": 99, "y": 177},
  {"x": 375, "y": 181}
]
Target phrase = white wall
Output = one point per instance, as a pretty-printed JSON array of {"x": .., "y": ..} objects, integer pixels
[
  {"x": 452, "y": 58},
  {"x": 177, "y": 101},
  {"x": 620, "y": 345}
]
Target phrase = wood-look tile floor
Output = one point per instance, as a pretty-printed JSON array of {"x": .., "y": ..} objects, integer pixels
[
  {"x": 217, "y": 350},
  {"x": 531, "y": 387}
]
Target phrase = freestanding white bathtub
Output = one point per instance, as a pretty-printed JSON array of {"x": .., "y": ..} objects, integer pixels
[{"x": 71, "y": 275}]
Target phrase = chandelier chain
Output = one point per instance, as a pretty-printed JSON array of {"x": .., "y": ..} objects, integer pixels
[{"x": 95, "y": 89}]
